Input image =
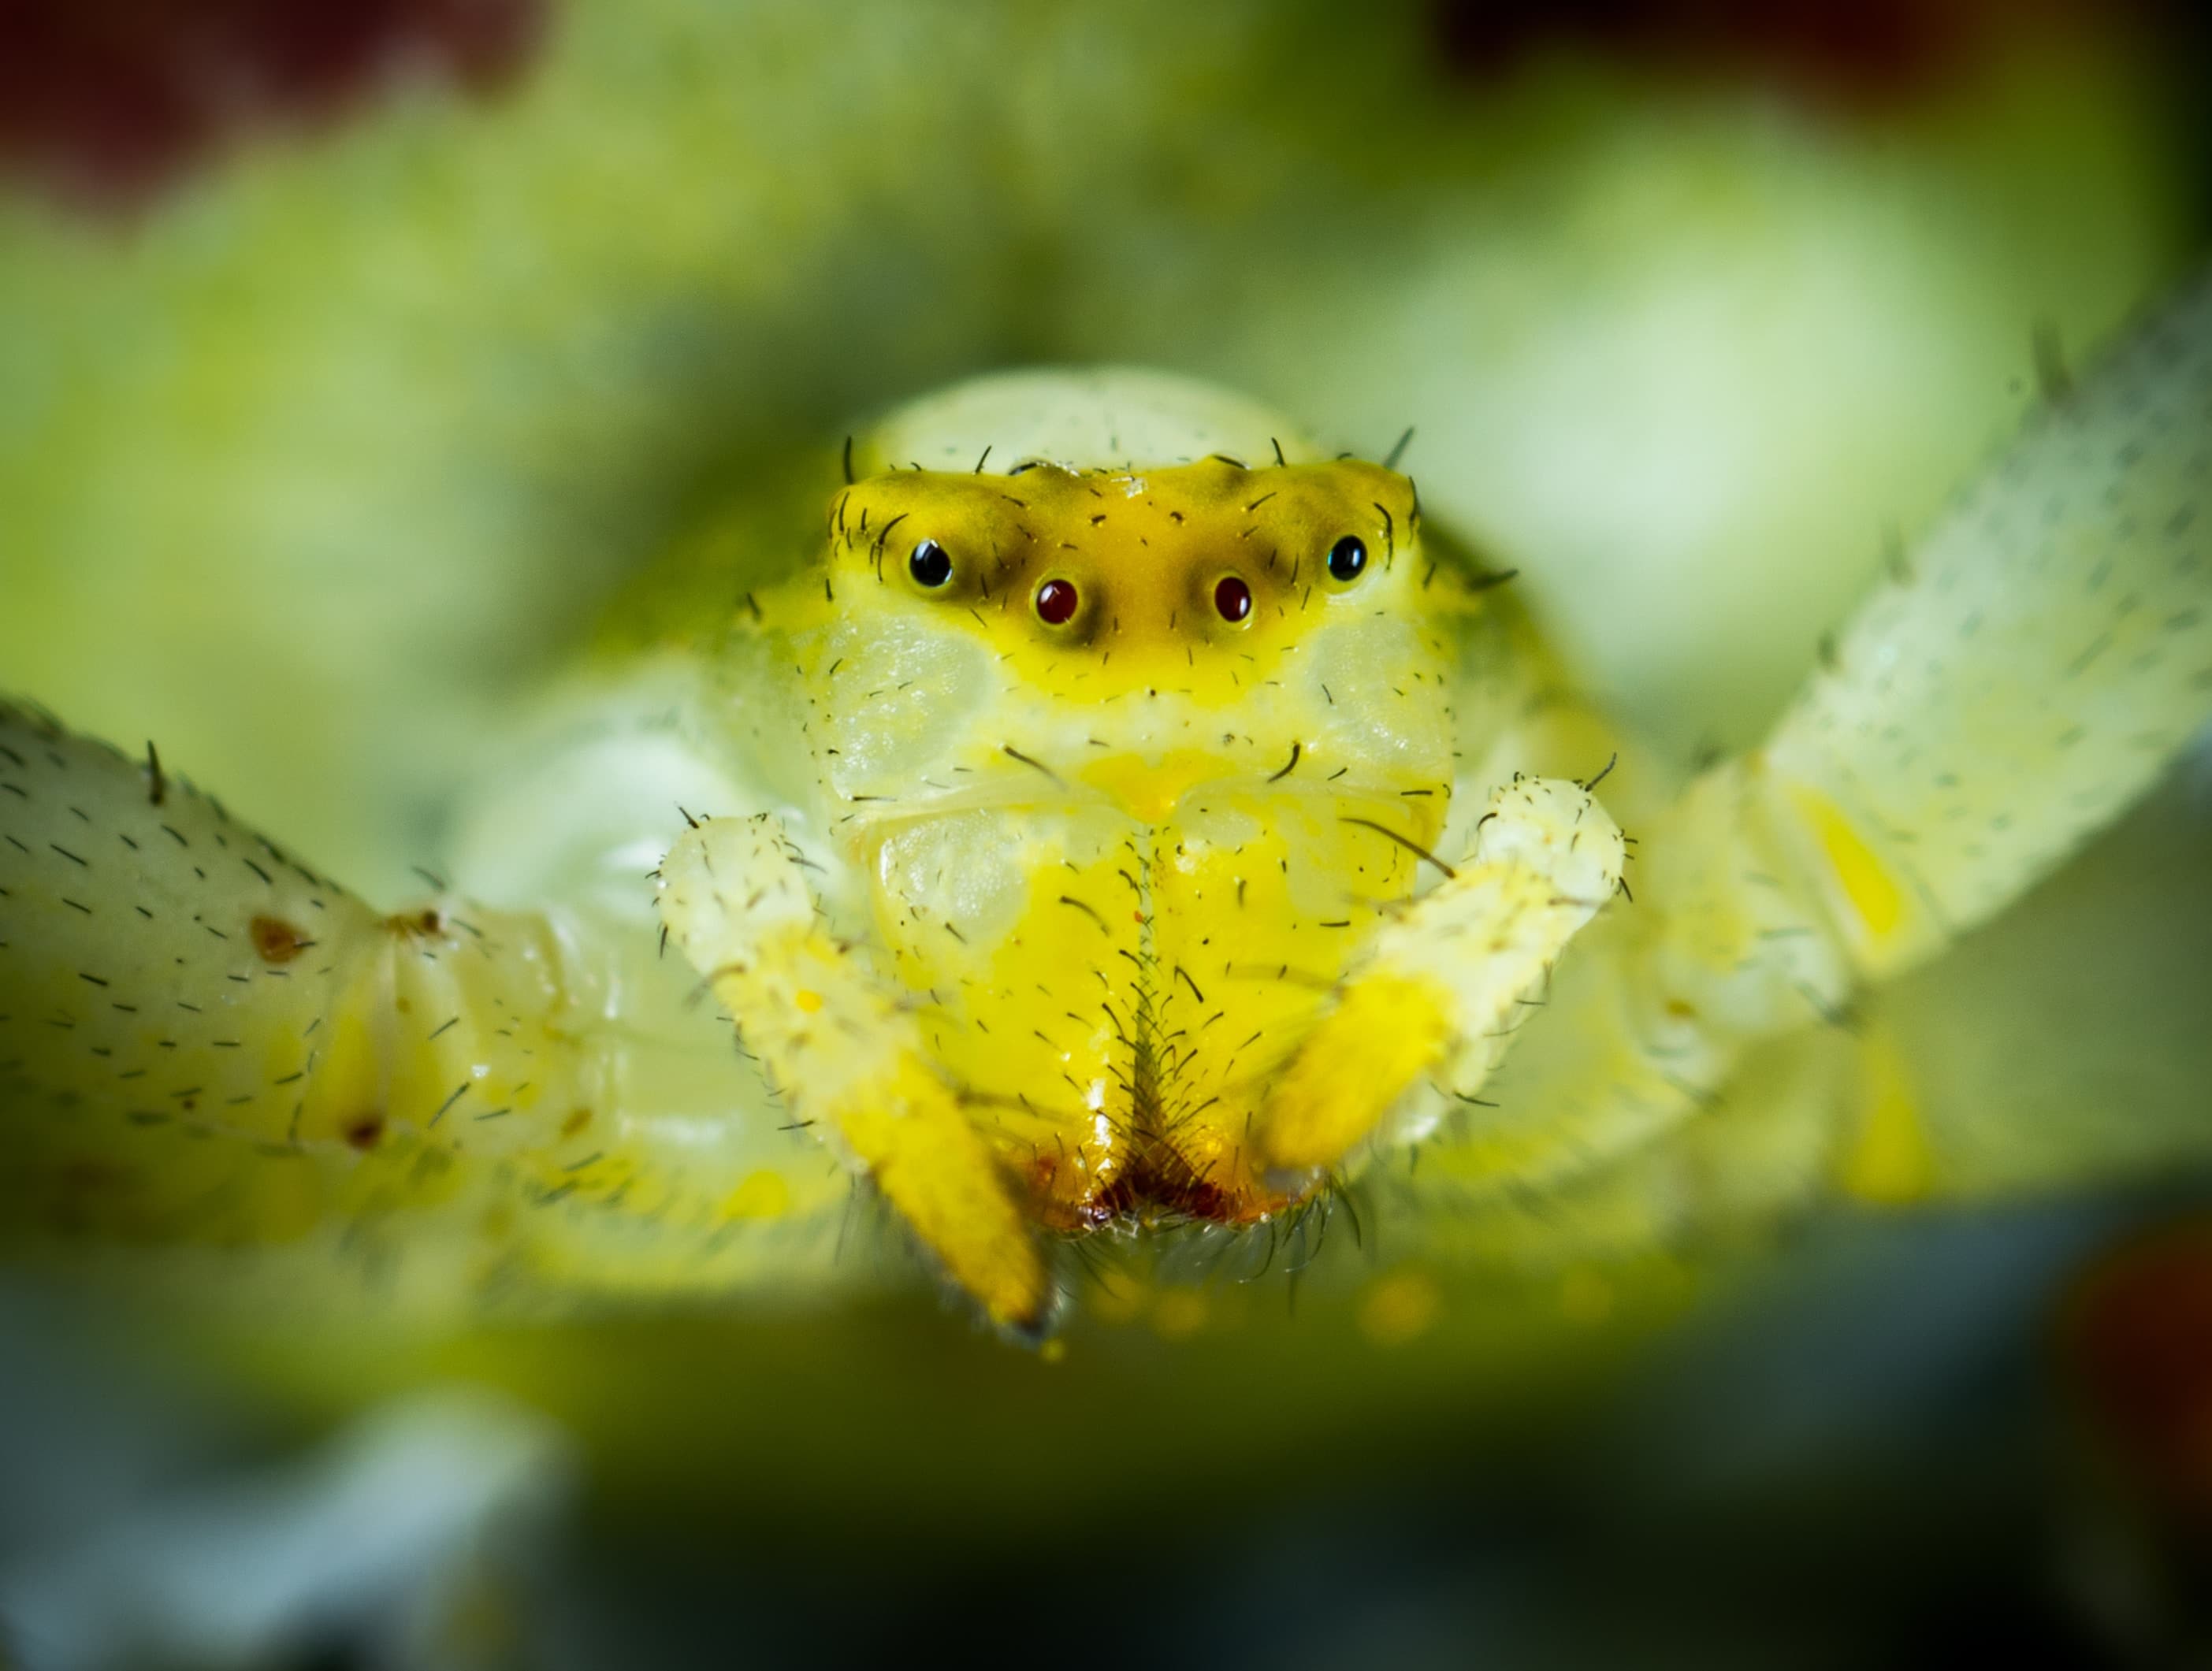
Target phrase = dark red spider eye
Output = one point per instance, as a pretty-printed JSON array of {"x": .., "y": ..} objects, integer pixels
[
  {"x": 1055, "y": 602},
  {"x": 1233, "y": 599}
]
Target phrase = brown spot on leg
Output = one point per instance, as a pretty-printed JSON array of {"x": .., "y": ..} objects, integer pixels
[
  {"x": 277, "y": 940},
  {"x": 575, "y": 1122},
  {"x": 365, "y": 1133}
]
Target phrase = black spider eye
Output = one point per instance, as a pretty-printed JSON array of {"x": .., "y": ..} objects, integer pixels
[
  {"x": 1347, "y": 557},
  {"x": 930, "y": 563}
]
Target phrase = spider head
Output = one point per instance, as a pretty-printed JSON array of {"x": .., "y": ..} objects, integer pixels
[{"x": 1159, "y": 586}]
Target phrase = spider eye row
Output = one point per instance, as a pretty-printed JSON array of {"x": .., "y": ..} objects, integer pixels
[{"x": 1057, "y": 600}]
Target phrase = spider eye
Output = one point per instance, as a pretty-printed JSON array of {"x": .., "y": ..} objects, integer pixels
[
  {"x": 930, "y": 564},
  {"x": 1233, "y": 599},
  {"x": 1347, "y": 557},
  {"x": 1055, "y": 602}
]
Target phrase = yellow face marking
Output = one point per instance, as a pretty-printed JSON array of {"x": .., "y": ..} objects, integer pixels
[
  {"x": 1149, "y": 790},
  {"x": 1104, "y": 581}
]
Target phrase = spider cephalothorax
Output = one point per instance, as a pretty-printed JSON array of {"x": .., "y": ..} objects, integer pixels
[{"x": 1134, "y": 757}]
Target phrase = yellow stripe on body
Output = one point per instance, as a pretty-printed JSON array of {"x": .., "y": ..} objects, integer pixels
[{"x": 1881, "y": 926}]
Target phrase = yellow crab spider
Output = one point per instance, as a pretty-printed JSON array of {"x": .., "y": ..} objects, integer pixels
[{"x": 1121, "y": 814}]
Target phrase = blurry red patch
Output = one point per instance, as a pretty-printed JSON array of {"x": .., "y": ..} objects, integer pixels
[
  {"x": 103, "y": 102},
  {"x": 2137, "y": 1338},
  {"x": 1859, "y": 53}
]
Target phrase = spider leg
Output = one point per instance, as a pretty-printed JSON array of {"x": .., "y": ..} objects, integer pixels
[
  {"x": 2030, "y": 669},
  {"x": 204, "y": 1041},
  {"x": 1438, "y": 991},
  {"x": 848, "y": 1057}
]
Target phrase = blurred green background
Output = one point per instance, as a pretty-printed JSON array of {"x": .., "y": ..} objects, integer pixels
[
  {"x": 332, "y": 411},
  {"x": 312, "y": 455}
]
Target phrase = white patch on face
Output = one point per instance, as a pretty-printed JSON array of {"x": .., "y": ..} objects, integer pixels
[
  {"x": 902, "y": 701},
  {"x": 1093, "y": 419}
]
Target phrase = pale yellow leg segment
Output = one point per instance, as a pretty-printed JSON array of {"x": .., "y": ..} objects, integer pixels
[
  {"x": 2040, "y": 657},
  {"x": 848, "y": 1058},
  {"x": 161, "y": 965},
  {"x": 2029, "y": 672},
  {"x": 1441, "y": 987},
  {"x": 1646, "y": 1023},
  {"x": 204, "y": 1044}
]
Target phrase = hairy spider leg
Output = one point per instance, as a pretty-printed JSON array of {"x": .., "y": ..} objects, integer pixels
[
  {"x": 1438, "y": 988},
  {"x": 2023, "y": 675},
  {"x": 849, "y": 1057},
  {"x": 204, "y": 1043}
]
